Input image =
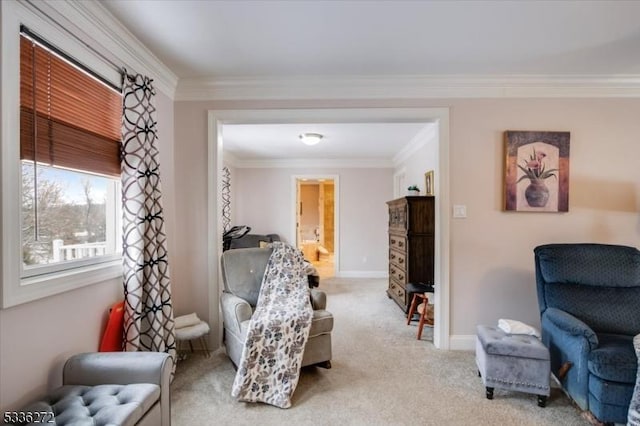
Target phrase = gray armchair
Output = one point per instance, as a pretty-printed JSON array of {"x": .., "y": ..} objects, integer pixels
[{"x": 242, "y": 273}]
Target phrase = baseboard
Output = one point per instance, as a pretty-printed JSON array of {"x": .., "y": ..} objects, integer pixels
[
  {"x": 462, "y": 342},
  {"x": 362, "y": 274}
]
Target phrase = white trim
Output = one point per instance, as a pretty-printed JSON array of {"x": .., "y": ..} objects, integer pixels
[
  {"x": 362, "y": 274},
  {"x": 462, "y": 342},
  {"x": 442, "y": 240},
  {"x": 215, "y": 227},
  {"x": 35, "y": 288},
  {"x": 339, "y": 115},
  {"x": 336, "y": 211},
  {"x": 410, "y": 86},
  {"x": 306, "y": 163}
]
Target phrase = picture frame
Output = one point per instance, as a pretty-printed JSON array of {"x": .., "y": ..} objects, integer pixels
[
  {"x": 536, "y": 171},
  {"x": 429, "y": 187}
]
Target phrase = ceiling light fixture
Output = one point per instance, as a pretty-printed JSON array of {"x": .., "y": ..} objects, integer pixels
[{"x": 310, "y": 138}]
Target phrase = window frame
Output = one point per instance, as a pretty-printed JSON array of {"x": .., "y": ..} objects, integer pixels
[{"x": 15, "y": 289}]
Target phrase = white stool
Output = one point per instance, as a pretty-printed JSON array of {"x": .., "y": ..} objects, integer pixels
[{"x": 193, "y": 331}]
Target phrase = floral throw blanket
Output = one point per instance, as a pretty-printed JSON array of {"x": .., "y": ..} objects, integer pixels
[{"x": 272, "y": 355}]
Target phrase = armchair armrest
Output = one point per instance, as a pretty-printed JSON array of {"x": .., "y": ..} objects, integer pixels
[
  {"x": 234, "y": 311},
  {"x": 572, "y": 325},
  {"x": 318, "y": 299},
  {"x": 118, "y": 368}
]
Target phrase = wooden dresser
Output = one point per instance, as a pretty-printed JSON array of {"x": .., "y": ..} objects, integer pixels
[{"x": 411, "y": 245}]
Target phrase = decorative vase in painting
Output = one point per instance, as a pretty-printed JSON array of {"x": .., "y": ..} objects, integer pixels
[{"x": 537, "y": 193}]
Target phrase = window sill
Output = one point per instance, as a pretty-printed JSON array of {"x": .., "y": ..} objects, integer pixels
[{"x": 38, "y": 287}]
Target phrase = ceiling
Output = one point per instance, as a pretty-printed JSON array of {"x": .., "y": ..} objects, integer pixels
[{"x": 282, "y": 39}]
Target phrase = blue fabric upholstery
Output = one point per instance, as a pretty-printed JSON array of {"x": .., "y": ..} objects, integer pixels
[{"x": 588, "y": 295}]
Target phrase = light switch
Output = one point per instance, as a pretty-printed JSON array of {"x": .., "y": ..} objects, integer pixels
[{"x": 460, "y": 211}]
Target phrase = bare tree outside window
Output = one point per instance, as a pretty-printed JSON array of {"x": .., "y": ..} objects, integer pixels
[{"x": 58, "y": 216}]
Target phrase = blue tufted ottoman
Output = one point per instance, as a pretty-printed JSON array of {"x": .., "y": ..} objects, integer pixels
[{"x": 517, "y": 362}]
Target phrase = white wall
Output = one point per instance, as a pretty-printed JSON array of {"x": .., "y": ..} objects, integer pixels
[
  {"x": 492, "y": 274},
  {"x": 264, "y": 202},
  {"x": 422, "y": 160},
  {"x": 491, "y": 250}
]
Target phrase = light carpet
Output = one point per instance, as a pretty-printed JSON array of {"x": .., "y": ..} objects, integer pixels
[{"x": 381, "y": 375}]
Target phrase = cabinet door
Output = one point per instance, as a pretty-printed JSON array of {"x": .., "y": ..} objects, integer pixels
[
  {"x": 398, "y": 216},
  {"x": 420, "y": 258}
]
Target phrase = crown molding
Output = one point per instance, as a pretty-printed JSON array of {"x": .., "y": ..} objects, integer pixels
[
  {"x": 311, "y": 163},
  {"x": 109, "y": 34},
  {"x": 410, "y": 86}
]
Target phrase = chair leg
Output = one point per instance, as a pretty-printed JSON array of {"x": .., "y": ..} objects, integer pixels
[
  {"x": 489, "y": 392},
  {"x": 423, "y": 317},
  {"x": 191, "y": 345},
  {"x": 205, "y": 347},
  {"x": 542, "y": 401},
  {"x": 412, "y": 309}
]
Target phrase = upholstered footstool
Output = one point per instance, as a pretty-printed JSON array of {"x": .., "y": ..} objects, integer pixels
[
  {"x": 189, "y": 328},
  {"x": 517, "y": 362}
]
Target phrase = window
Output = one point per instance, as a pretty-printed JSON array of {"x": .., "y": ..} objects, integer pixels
[
  {"x": 70, "y": 163},
  {"x": 28, "y": 268}
]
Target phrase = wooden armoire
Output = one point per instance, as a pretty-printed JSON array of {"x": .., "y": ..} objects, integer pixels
[{"x": 411, "y": 245}]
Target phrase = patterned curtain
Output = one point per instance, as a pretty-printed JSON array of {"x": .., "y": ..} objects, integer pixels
[
  {"x": 148, "y": 318},
  {"x": 226, "y": 199}
]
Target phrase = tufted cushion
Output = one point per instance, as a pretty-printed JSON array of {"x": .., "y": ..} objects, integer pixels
[
  {"x": 99, "y": 405},
  {"x": 614, "y": 359},
  {"x": 497, "y": 342}
]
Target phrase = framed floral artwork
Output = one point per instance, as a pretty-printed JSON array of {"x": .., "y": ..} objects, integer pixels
[{"x": 537, "y": 171}]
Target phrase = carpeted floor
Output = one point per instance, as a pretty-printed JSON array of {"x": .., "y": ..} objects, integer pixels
[{"x": 381, "y": 375}]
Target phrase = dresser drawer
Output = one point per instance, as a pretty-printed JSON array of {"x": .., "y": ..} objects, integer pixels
[
  {"x": 397, "y": 274},
  {"x": 396, "y": 291},
  {"x": 398, "y": 258},
  {"x": 397, "y": 242}
]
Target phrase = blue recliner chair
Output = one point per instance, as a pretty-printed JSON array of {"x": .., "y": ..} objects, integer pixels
[{"x": 589, "y": 299}]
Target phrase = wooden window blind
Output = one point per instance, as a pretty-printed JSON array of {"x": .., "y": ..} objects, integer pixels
[{"x": 68, "y": 119}]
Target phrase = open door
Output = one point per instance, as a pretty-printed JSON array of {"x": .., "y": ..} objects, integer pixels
[{"x": 315, "y": 222}]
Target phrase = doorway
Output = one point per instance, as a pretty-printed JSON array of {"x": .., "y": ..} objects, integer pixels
[
  {"x": 217, "y": 119},
  {"x": 315, "y": 222}
]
